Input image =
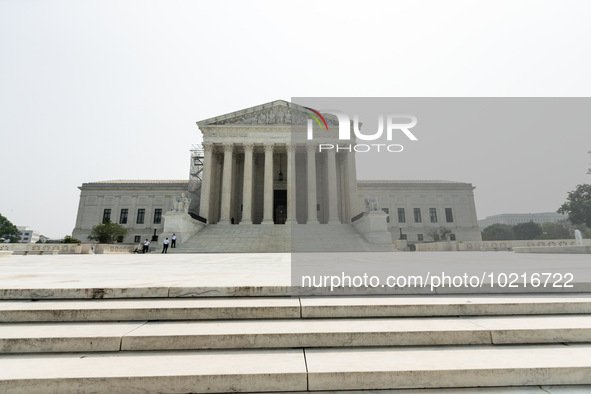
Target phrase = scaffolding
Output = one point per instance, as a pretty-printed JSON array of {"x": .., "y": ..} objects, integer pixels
[{"x": 195, "y": 177}]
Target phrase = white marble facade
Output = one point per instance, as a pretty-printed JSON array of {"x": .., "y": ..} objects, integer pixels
[
  {"x": 133, "y": 204},
  {"x": 259, "y": 169}
]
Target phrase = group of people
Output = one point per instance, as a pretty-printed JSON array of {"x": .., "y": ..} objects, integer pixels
[{"x": 165, "y": 243}]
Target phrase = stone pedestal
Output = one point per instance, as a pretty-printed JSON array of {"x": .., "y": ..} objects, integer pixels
[
  {"x": 374, "y": 228},
  {"x": 181, "y": 224}
]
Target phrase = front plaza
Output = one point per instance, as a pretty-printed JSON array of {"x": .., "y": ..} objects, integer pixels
[{"x": 236, "y": 323}]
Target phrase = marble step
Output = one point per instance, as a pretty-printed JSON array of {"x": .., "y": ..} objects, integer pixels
[
  {"x": 150, "y": 309},
  {"x": 306, "y": 333},
  {"x": 218, "y": 308},
  {"x": 439, "y": 367},
  {"x": 298, "y": 370},
  {"x": 151, "y": 372},
  {"x": 562, "y": 389},
  {"x": 445, "y": 305}
]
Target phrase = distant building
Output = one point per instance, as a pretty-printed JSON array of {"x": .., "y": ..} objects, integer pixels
[
  {"x": 516, "y": 218},
  {"x": 28, "y": 235}
]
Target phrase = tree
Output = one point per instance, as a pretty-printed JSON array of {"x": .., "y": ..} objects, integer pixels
[
  {"x": 107, "y": 233},
  {"x": 440, "y": 234},
  {"x": 578, "y": 206},
  {"x": 498, "y": 232},
  {"x": 433, "y": 234},
  {"x": 68, "y": 239},
  {"x": 529, "y": 230},
  {"x": 444, "y": 233},
  {"x": 8, "y": 230},
  {"x": 559, "y": 230}
]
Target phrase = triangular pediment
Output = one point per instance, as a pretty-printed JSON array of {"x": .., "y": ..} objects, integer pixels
[{"x": 279, "y": 112}]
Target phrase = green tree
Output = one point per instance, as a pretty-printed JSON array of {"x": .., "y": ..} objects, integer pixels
[
  {"x": 440, "y": 234},
  {"x": 529, "y": 230},
  {"x": 433, "y": 234},
  {"x": 107, "y": 233},
  {"x": 8, "y": 230},
  {"x": 68, "y": 239},
  {"x": 578, "y": 206},
  {"x": 498, "y": 232},
  {"x": 444, "y": 233},
  {"x": 559, "y": 230}
]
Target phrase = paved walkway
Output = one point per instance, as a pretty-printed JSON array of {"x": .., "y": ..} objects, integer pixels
[{"x": 255, "y": 273}]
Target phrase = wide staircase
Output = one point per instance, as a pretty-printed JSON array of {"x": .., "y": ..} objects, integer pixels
[
  {"x": 535, "y": 343},
  {"x": 257, "y": 238}
]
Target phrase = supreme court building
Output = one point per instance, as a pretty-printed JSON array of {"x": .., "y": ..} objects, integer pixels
[{"x": 258, "y": 168}]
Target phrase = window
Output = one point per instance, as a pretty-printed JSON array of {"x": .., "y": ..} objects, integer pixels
[
  {"x": 417, "y": 213},
  {"x": 137, "y": 238},
  {"x": 452, "y": 237},
  {"x": 401, "y": 216},
  {"x": 403, "y": 236},
  {"x": 141, "y": 213},
  {"x": 387, "y": 210},
  {"x": 123, "y": 216},
  {"x": 433, "y": 215},
  {"x": 419, "y": 237},
  {"x": 158, "y": 216},
  {"x": 106, "y": 215},
  {"x": 449, "y": 217},
  {"x": 120, "y": 238}
]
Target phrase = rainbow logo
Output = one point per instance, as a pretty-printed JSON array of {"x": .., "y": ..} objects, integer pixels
[{"x": 316, "y": 119}]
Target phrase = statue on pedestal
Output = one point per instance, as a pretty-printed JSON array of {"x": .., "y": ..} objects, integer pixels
[
  {"x": 371, "y": 204},
  {"x": 181, "y": 204}
]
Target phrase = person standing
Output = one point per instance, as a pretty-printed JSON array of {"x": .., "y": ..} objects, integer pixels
[
  {"x": 165, "y": 246},
  {"x": 173, "y": 245},
  {"x": 146, "y": 246}
]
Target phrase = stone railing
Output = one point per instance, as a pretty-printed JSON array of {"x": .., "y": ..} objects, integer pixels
[
  {"x": 496, "y": 246},
  {"x": 437, "y": 246},
  {"x": 113, "y": 248},
  {"x": 509, "y": 245},
  {"x": 42, "y": 248},
  {"x": 27, "y": 249}
]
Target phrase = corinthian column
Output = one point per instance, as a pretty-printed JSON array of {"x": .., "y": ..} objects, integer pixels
[
  {"x": 291, "y": 183},
  {"x": 312, "y": 214},
  {"x": 206, "y": 181},
  {"x": 268, "y": 185},
  {"x": 227, "y": 184},
  {"x": 247, "y": 185},
  {"x": 333, "y": 212}
]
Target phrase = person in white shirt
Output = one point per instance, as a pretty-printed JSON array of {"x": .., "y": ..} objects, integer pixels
[
  {"x": 173, "y": 245},
  {"x": 146, "y": 246},
  {"x": 165, "y": 246}
]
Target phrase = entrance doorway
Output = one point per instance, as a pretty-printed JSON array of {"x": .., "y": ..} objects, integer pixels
[{"x": 279, "y": 206}]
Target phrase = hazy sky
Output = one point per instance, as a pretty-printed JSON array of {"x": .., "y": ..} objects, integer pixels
[{"x": 98, "y": 90}]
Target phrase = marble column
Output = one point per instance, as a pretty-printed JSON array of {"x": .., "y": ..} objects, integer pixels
[
  {"x": 331, "y": 165},
  {"x": 291, "y": 183},
  {"x": 206, "y": 181},
  {"x": 247, "y": 185},
  {"x": 268, "y": 185},
  {"x": 227, "y": 184},
  {"x": 352, "y": 195},
  {"x": 312, "y": 213}
]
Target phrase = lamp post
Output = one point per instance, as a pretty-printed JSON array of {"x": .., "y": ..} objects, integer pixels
[
  {"x": 400, "y": 228},
  {"x": 154, "y": 237}
]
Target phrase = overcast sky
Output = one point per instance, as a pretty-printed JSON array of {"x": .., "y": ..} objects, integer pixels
[{"x": 98, "y": 90}]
